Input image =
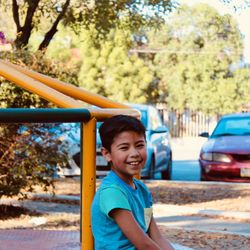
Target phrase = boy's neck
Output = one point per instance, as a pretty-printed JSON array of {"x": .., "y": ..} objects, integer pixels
[{"x": 129, "y": 180}]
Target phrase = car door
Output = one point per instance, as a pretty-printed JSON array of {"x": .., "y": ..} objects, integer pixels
[{"x": 158, "y": 138}]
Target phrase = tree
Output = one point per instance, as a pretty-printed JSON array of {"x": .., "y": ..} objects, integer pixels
[
  {"x": 29, "y": 153},
  {"x": 12, "y": 96},
  {"x": 198, "y": 47},
  {"x": 104, "y": 15},
  {"x": 110, "y": 71}
]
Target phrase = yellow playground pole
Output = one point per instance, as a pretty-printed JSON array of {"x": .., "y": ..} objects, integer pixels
[
  {"x": 88, "y": 183},
  {"x": 102, "y": 114},
  {"x": 69, "y": 89},
  {"x": 37, "y": 87}
]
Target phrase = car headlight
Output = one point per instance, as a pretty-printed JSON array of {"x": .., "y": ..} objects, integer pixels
[{"x": 216, "y": 157}]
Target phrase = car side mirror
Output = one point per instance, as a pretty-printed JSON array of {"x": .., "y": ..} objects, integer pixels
[{"x": 204, "y": 134}]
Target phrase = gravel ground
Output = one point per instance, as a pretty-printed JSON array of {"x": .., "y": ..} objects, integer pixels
[
  {"x": 206, "y": 241},
  {"x": 208, "y": 195}
]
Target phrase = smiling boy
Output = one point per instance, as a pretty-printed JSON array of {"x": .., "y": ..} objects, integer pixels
[{"x": 122, "y": 208}]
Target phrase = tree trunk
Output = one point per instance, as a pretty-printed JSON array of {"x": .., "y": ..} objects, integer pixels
[
  {"x": 24, "y": 32},
  {"x": 49, "y": 35}
]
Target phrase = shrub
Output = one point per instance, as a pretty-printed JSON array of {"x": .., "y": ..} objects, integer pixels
[{"x": 30, "y": 153}]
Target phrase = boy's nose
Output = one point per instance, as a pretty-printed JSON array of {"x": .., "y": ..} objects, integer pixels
[{"x": 134, "y": 152}]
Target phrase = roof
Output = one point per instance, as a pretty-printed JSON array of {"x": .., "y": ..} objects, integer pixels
[
  {"x": 140, "y": 106},
  {"x": 236, "y": 115}
]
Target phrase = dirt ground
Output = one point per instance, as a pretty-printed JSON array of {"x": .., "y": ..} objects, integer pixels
[
  {"x": 231, "y": 197},
  {"x": 226, "y": 196}
]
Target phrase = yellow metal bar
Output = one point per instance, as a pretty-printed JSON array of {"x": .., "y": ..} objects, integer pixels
[
  {"x": 69, "y": 89},
  {"x": 102, "y": 114},
  {"x": 88, "y": 183},
  {"x": 37, "y": 87}
]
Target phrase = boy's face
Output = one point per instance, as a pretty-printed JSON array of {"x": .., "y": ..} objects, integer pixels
[{"x": 128, "y": 154}]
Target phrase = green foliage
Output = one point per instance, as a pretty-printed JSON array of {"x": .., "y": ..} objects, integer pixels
[
  {"x": 6, "y": 24},
  {"x": 194, "y": 69},
  {"x": 26, "y": 161},
  {"x": 27, "y": 158},
  {"x": 11, "y": 96},
  {"x": 45, "y": 16},
  {"x": 110, "y": 71},
  {"x": 62, "y": 46}
]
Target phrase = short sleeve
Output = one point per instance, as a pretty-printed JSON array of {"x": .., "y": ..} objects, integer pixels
[{"x": 111, "y": 198}]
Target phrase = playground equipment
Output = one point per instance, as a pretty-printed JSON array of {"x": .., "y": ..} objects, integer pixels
[{"x": 66, "y": 96}]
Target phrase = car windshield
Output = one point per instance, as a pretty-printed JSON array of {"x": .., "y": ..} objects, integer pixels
[{"x": 232, "y": 126}]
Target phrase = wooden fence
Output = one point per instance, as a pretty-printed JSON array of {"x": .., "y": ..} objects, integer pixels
[{"x": 188, "y": 123}]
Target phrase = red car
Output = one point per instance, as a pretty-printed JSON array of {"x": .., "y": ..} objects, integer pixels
[{"x": 225, "y": 156}]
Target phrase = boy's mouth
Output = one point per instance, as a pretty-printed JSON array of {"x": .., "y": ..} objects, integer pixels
[{"x": 134, "y": 163}]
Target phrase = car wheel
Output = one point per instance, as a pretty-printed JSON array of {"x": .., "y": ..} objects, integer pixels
[
  {"x": 203, "y": 177},
  {"x": 77, "y": 158},
  {"x": 166, "y": 174}
]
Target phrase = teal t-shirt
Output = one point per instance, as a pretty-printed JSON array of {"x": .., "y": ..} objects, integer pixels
[{"x": 115, "y": 193}]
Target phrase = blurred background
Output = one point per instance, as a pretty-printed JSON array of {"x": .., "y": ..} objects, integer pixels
[{"x": 188, "y": 59}]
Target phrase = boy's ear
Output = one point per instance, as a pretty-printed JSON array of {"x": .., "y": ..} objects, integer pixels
[{"x": 106, "y": 154}]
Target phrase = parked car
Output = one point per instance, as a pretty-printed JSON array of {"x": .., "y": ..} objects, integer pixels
[
  {"x": 225, "y": 156},
  {"x": 158, "y": 148}
]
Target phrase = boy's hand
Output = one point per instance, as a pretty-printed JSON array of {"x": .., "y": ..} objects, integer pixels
[
  {"x": 131, "y": 229},
  {"x": 155, "y": 235}
]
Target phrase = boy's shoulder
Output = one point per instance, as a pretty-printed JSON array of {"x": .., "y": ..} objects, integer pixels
[
  {"x": 112, "y": 181},
  {"x": 109, "y": 182},
  {"x": 111, "y": 187},
  {"x": 139, "y": 182}
]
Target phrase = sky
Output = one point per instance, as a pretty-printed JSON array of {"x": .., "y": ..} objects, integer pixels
[{"x": 242, "y": 15}]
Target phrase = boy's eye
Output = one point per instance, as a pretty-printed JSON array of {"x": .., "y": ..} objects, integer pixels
[
  {"x": 123, "y": 148},
  {"x": 141, "y": 145}
]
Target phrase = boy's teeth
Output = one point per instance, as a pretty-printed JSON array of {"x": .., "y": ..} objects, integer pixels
[{"x": 134, "y": 163}]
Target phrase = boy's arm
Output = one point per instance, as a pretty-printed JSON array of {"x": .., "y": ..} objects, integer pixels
[
  {"x": 131, "y": 229},
  {"x": 156, "y": 236}
]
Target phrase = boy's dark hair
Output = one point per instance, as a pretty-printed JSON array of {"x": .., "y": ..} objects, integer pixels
[{"x": 117, "y": 124}]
